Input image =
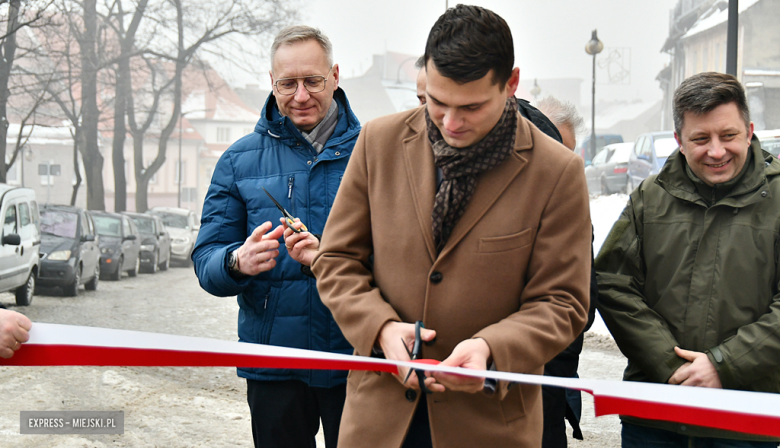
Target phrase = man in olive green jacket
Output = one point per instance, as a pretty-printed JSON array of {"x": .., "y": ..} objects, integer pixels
[{"x": 688, "y": 276}]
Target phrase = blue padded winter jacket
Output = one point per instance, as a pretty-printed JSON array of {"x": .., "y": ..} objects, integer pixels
[{"x": 279, "y": 307}]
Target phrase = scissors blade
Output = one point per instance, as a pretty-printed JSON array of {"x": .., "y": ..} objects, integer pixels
[{"x": 278, "y": 205}]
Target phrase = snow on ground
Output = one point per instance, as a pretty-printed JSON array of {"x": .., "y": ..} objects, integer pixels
[{"x": 604, "y": 211}]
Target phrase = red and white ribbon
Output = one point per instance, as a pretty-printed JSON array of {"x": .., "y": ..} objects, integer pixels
[{"x": 65, "y": 345}]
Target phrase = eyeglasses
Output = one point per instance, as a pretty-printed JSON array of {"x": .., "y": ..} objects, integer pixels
[{"x": 312, "y": 84}]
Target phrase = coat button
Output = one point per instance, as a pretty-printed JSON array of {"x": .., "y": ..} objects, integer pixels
[
  {"x": 764, "y": 194},
  {"x": 436, "y": 277},
  {"x": 411, "y": 395},
  {"x": 338, "y": 153},
  {"x": 308, "y": 163}
]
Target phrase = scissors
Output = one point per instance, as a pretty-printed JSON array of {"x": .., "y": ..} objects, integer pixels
[
  {"x": 413, "y": 356},
  {"x": 287, "y": 216}
]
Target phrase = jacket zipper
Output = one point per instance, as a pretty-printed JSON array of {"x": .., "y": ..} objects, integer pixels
[{"x": 290, "y": 183}]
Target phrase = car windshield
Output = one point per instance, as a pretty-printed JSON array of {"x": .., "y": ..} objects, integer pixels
[
  {"x": 145, "y": 225},
  {"x": 108, "y": 226},
  {"x": 664, "y": 147},
  {"x": 771, "y": 145},
  {"x": 622, "y": 154},
  {"x": 59, "y": 223},
  {"x": 173, "y": 220}
]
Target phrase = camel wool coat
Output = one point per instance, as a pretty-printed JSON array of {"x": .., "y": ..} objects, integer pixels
[{"x": 515, "y": 272}]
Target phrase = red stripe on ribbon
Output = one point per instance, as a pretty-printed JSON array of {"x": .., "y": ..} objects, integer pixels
[
  {"x": 711, "y": 418},
  {"x": 82, "y": 355}
]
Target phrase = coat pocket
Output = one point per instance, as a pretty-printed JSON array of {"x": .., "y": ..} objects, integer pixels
[
  {"x": 506, "y": 242},
  {"x": 512, "y": 405}
]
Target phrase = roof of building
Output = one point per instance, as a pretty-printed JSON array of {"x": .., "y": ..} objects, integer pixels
[{"x": 716, "y": 16}]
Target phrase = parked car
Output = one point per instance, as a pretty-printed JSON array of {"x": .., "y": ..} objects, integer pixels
[
  {"x": 21, "y": 241},
  {"x": 609, "y": 171},
  {"x": 155, "y": 242},
  {"x": 70, "y": 254},
  {"x": 650, "y": 153},
  {"x": 602, "y": 140},
  {"x": 770, "y": 141},
  {"x": 183, "y": 226},
  {"x": 120, "y": 245}
]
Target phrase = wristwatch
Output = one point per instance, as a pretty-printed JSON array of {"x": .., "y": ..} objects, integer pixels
[{"x": 233, "y": 262}]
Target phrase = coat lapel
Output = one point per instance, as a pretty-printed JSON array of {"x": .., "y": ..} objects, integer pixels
[
  {"x": 421, "y": 175},
  {"x": 490, "y": 186}
]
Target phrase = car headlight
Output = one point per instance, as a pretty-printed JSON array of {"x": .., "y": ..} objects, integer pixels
[
  {"x": 60, "y": 255},
  {"x": 147, "y": 247},
  {"x": 184, "y": 240},
  {"x": 106, "y": 250}
]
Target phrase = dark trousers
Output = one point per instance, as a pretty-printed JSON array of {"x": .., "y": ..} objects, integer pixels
[
  {"x": 286, "y": 414},
  {"x": 635, "y": 436}
]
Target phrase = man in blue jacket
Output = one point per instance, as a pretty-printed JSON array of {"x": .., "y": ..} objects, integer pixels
[{"x": 298, "y": 152}]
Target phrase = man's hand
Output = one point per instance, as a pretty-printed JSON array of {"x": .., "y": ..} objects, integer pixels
[
  {"x": 394, "y": 339},
  {"x": 259, "y": 251},
  {"x": 469, "y": 354},
  {"x": 303, "y": 246},
  {"x": 699, "y": 371},
  {"x": 13, "y": 331}
]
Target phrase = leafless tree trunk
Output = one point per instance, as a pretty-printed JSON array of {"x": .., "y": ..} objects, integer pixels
[
  {"x": 123, "y": 92},
  {"x": 90, "y": 115},
  {"x": 7, "y": 53}
]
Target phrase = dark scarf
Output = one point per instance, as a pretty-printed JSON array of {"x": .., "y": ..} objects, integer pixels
[{"x": 461, "y": 166}]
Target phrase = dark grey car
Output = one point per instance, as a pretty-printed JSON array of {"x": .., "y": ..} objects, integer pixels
[
  {"x": 608, "y": 173},
  {"x": 155, "y": 242},
  {"x": 650, "y": 153},
  {"x": 69, "y": 253},
  {"x": 120, "y": 245}
]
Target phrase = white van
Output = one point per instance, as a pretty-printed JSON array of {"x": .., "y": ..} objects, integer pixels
[{"x": 21, "y": 240}]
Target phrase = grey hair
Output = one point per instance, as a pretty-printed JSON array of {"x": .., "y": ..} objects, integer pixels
[
  {"x": 561, "y": 113},
  {"x": 301, "y": 33}
]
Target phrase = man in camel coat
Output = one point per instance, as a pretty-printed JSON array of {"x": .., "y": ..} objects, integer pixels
[{"x": 463, "y": 215}]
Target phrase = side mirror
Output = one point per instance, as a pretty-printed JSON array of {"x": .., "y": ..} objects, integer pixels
[
  {"x": 12, "y": 240},
  {"x": 130, "y": 238},
  {"x": 88, "y": 238}
]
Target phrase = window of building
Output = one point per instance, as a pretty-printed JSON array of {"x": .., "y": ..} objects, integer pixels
[{"x": 223, "y": 135}]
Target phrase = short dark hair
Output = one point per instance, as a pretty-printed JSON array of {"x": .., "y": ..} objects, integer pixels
[
  {"x": 702, "y": 93},
  {"x": 467, "y": 42},
  {"x": 420, "y": 62}
]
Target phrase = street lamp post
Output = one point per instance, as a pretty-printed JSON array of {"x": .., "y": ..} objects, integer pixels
[
  {"x": 593, "y": 47},
  {"x": 178, "y": 169}
]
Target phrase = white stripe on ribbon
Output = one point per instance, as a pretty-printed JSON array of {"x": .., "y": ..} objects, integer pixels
[{"x": 53, "y": 344}]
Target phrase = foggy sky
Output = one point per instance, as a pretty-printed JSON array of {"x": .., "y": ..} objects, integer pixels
[{"x": 549, "y": 35}]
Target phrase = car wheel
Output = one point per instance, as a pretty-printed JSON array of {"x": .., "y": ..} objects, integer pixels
[
  {"x": 164, "y": 266},
  {"x": 604, "y": 187},
  {"x": 134, "y": 272},
  {"x": 117, "y": 275},
  {"x": 93, "y": 284},
  {"x": 24, "y": 293},
  {"x": 73, "y": 289}
]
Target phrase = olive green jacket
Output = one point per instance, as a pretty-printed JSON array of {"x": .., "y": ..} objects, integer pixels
[{"x": 677, "y": 271}]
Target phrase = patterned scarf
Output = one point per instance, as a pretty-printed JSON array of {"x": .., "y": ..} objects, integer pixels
[
  {"x": 324, "y": 129},
  {"x": 460, "y": 167}
]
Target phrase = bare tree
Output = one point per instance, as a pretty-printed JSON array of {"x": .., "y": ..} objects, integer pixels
[
  {"x": 200, "y": 24},
  {"x": 18, "y": 15},
  {"x": 126, "y": 35}
]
